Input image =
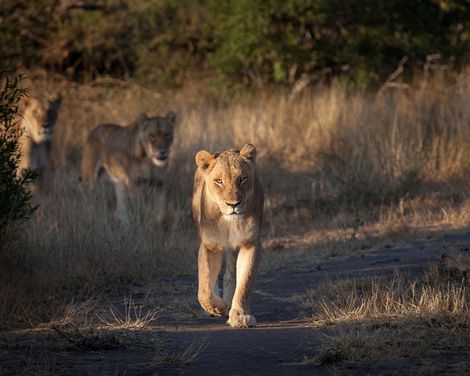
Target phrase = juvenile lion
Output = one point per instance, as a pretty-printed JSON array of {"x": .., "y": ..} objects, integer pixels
[
  {"x": 228, "y": 209},
  {"x": 39, "y": 118},
  {"x": 131, "y": 155}
]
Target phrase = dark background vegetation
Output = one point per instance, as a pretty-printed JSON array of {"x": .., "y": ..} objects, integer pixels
[
  {"x": 15, "y": 197},
  {"x": 233, "y": 43}
]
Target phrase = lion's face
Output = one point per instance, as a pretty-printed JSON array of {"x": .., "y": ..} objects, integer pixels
[
  {"x": 41, "y": 116},
  {"x": 157, "y": 136},
  {"x": 229, "y": 178}
]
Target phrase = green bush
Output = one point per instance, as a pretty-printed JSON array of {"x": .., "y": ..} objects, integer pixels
[
  {"x": 279, "y": 41},
  {"x": 15, "y": 197},
  {"x": 233, "y": 42}
]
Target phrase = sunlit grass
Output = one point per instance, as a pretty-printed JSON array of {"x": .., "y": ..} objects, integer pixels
[
  {"x": 396, "y": 299},
  {"x": 383, "y": 319},
  {"x": 133, "y": 316}
]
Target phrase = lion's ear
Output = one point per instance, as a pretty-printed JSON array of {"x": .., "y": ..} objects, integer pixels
[
  {"x": 248, "y": 151},
  {"x": 171, "y": 117},
  {"x": 26, "y": 100},
  {"x": 142, "y": 120},
  {"x": 204, "y": 159},
  {"x": 55, "y": 98}
]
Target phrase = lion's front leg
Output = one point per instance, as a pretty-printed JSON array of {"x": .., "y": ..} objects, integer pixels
[
  {"x": 122, "y": 198},
  {"x": 161, "y": 204},
  {"x": 209, "y": 263},
  {"x": 230, "y": 276},
  {"x": 247, "y": 265},
  {"x": 137, "y": 198}
]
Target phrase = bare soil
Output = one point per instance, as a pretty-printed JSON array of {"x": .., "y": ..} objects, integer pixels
[{"x": 279, "y": 344}]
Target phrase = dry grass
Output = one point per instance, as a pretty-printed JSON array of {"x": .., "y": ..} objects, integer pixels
[
  {"x": 89, "y": 338},
  {"x": 360, "y": 344},
  {"x": 132, "y": 318},
  {"x": 400, "y": 318},
  {"x": 342, "y": 171},
  {"x": 396, "y": 300},
  {"x": 182, "y": 357}
]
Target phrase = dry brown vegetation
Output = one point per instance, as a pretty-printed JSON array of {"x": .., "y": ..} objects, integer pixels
[
  {"x": 383, "y": 319},
  {"x": 342, "y": 171},
  {"x": 396, "y": 299}
]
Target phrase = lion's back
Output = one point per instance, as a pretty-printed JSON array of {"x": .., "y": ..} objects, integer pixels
[{"x": 105, "y": 131}]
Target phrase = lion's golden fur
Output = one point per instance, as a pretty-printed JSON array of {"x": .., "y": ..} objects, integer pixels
[
  {"x": 40, "y": 115},
  {"x": 228, "y": 209},
  {"x": 131, "y": 155}
]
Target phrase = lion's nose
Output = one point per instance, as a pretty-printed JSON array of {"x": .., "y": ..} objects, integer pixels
[{"x": 233, "y": 205}]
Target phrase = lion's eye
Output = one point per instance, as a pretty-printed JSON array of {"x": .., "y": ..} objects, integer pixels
[{"x": 218, "y": 181}]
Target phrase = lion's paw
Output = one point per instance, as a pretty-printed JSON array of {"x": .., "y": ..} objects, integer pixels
[
  {"x": 216, "y": 307},
  {"x": 242, "y": 321}
]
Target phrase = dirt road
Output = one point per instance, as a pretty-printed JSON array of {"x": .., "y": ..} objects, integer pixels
[{"x": 184, "y": 341}]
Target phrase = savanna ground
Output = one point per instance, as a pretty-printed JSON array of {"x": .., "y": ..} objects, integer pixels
[{"x": 350, "y": 179}]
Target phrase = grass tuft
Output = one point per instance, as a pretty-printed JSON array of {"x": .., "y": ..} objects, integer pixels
[{"x": 132, "y": 318}]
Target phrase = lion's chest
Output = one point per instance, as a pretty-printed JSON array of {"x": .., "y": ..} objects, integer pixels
[
  {"x": 145, "y": 172},
  {"x": 229, "y": 233}
]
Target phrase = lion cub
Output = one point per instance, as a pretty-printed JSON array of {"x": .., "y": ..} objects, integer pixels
[
  {"x": 131, "y": 155},
  {"x": 228, "y": 209},
  {"x": 39, "y": 118}
]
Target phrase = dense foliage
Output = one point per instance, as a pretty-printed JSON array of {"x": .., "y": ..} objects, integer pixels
[
  {"x": 233, "y": 41},
  {"x": 15, "y": 197}
]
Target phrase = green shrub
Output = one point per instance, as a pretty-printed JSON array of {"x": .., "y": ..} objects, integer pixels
[
  {"x": 234, "y": 42},
  {"x": 279, "y": 41},
  {"x": 15, "y": 197}
]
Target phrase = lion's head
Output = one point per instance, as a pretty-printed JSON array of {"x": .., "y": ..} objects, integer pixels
[
  {"x": 230, "y": 178},
  {"x": 157, "y": 136},
  {"x": 40, "y": 116}
]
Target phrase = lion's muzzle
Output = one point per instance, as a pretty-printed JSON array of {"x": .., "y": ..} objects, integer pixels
[
  {"x": 160, "y": 157},
  {"x": 235, "y": 210}
]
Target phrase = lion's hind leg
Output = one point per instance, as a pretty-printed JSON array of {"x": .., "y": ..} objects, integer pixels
[
  {"x": 91, "y": 162},
  {"x": 209, "y": 263}
]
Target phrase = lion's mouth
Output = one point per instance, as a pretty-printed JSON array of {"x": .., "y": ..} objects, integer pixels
[
  {"x": 160, "y": 158},
  {"x": 234, "y": 216},
  {"x": 161, "y": 155},
  {"x": 45, "y": 133}
]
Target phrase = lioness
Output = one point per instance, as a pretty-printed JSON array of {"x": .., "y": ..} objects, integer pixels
[
  {"x": 228, "y": 209},
  {"x": 39, "y": 118},
  {"x": 137, "y": 153}
]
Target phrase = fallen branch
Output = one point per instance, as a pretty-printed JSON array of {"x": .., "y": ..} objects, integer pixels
[{"x": 395, "y": 74}]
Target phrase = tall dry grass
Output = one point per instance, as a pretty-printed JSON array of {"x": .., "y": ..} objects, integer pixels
[
  {"x": 394, "y": 318},
  {"x": 396, "y": 301},
  {"x": 338, "y": 168}
]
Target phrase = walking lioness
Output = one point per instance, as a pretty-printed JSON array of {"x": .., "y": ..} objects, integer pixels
[
  {"x": 228, "y": 209},
  {"x": 131, "y": 155},
  {"x": 39, "y": 118}
]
